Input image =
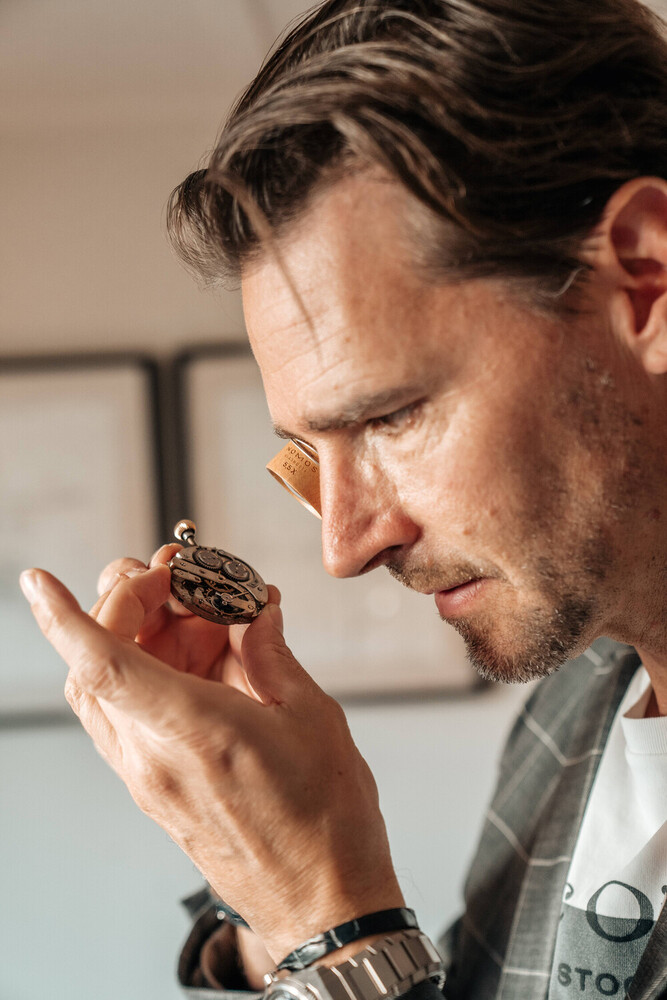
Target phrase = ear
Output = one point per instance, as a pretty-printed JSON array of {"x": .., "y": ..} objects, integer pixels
[{"x": 630, "y": 255}]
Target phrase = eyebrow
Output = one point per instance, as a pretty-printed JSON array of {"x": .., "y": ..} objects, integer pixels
[{"x": 366, "y": 406}]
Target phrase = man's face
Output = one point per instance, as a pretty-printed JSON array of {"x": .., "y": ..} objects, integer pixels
[{"x": 481, "y": 452}]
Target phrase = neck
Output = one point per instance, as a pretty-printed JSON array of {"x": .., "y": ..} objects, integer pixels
[{"x": 656, "y": 668}]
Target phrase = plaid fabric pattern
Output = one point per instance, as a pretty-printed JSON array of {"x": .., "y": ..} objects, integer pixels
[{"x": 502, "y": 947}]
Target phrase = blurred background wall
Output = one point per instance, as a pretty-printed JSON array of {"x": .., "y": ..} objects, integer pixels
[{"x": 104, "y": 107}]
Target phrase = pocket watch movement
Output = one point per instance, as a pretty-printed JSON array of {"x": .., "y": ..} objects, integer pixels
[{"x": 214, "y": 584}]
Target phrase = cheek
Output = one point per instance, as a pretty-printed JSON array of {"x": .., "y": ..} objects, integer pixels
[
  {"x": 444, "y": 478},
  {"x": 485, "y": 478}
]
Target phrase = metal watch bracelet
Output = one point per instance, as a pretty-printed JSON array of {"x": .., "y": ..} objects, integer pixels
[{"x": 385, "y": 969}]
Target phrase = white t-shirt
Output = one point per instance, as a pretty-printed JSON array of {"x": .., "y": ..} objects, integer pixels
[{"x": 617, "y": 880}]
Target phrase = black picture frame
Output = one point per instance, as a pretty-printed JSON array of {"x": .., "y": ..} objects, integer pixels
[{"x": 80, "y": 448}]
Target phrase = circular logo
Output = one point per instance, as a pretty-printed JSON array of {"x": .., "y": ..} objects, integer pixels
[{"x": 643, "y": 923}]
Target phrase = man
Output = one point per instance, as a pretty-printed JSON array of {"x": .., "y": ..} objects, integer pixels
[{"x": 450, "y": 223}]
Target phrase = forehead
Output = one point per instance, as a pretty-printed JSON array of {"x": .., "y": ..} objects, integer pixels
[{"x": 350, "y": 312}]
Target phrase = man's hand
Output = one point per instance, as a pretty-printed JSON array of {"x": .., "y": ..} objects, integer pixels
[{"x": 226, "y": 742}]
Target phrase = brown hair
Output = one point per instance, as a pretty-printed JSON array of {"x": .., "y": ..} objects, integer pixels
[{"x": 510, "y": 121}]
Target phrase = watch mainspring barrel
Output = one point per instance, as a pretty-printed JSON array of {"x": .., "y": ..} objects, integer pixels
[{"x": 213, "y": 583}]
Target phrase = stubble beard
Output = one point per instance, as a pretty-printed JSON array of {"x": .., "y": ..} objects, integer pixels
[
  {"x": 541, "y": 642},
  {"x": 524, "y": 646}
]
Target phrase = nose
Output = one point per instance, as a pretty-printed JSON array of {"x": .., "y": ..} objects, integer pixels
[{"x": 364, "y": 524}]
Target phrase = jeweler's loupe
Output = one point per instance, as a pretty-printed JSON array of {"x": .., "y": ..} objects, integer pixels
[{"x": 297, "y": 469}]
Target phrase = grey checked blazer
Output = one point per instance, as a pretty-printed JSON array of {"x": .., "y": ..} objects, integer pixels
[{"x": 502, "y": 947}]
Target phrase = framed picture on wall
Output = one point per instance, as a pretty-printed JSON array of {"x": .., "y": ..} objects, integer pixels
[
  {"x": 359, "y": 638},
  {"x": 79, "y": 453}
]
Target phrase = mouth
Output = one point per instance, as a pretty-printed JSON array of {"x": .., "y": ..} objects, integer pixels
[{"x": 456, "y": 600}]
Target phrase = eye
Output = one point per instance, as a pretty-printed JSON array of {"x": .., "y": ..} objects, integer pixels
[{"x": 397, "y": 419}]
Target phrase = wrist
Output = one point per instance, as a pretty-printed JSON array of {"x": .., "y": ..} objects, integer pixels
[
  {"x": 383, "y": 970},
  {"x": 366, "y": 928},
  {"x": 293, "y": 927},
  {"x": 334, "y": 958}
]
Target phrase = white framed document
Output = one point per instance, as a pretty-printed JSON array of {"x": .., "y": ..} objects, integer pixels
[
  {"x": 360, "y": 638},
  {"x": 79, "y": 459}
]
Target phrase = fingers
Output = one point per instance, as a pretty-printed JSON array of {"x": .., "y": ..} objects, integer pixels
[
  {"x": 233, "y": 675},
  {"x": 128, "y": 573},
  {"x": 121, "y": 567},
  {"x": 165, "y": 553},
  {"x": 106, "y": 666},
  {"x": 112, "y": 573},
  {"x": 94, "y": 721},
  {"x": 133, "y": 599},
  {"x": 273, "y": 672},
  {"x": 236, "y": 632},
  {"x": 233, "y": 671}
]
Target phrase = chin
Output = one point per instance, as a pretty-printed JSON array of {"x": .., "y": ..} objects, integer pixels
[{"x": 522, "y": 649}]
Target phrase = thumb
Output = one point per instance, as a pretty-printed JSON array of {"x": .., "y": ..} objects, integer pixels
[{"x": 274, "y": 673}]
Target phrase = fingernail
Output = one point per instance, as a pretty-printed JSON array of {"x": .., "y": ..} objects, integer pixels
[
  {"x": 156, "y": 559},
  {"x": 29, "y": 584},
  {"x": 276, "y": 615}
]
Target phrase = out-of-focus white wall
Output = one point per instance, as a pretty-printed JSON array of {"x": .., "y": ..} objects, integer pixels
[{"x": 104, "y": 107}]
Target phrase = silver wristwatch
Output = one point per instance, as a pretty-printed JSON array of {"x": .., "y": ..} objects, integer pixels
[{"x": 384, "y": 969}]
